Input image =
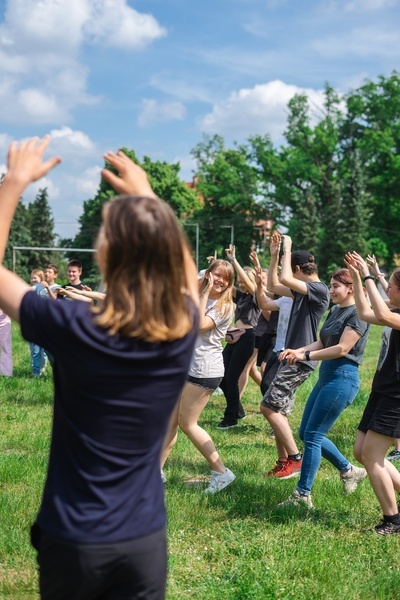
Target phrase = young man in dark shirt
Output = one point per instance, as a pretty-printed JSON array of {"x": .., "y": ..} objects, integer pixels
[{"x": 300, "y": 281}]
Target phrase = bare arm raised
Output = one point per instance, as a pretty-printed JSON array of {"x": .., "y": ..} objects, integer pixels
[{"x": 25, "y": 164}]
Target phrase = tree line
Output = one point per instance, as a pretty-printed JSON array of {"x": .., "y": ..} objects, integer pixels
[{"x": 333, "y": 185}]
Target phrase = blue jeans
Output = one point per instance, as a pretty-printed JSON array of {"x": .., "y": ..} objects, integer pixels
[
  {"x": 38, "y": 359},
  {"x": 335, "y": 389}
]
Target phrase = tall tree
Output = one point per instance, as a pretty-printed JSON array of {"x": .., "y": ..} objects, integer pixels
[
  {"x": 41, "y": 226},
  {"x": 229, "y": 186},
  {"x": 20, "y": 235},
  {"x": 164, "y": 179}
]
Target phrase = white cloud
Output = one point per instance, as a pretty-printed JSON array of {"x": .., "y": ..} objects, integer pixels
[
  {"x": 368, "y": 5},
  {"x": 89, "y": 181},
  {"x": 360, "y": 42},
  {"x": 114, "y": 23},
  {"x": 70, "y": 140},
  {"x": 40, "y": 47},
  {"x": 46, "y": 182},
  {"x": 262, "y": 109},
  {"x": 160, "y": 112}
]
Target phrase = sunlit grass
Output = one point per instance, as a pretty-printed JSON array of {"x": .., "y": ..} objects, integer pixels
[{"x": 235, "y": 545}]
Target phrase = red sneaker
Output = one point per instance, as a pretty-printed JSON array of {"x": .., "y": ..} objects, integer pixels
[
  {"x": 291, "y": 468},
  {"x": 280, "y": 463}
]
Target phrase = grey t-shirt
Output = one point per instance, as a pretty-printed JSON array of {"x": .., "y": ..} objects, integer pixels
[
  {"x": 336, "y": 322},
  {"x": 285, "y": 306},
  {"x": 307, "y": 311},
  {"x": 207, "y": 358}
]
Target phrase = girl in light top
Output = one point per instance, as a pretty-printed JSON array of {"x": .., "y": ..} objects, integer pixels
[{"x": 206, "y": 371}]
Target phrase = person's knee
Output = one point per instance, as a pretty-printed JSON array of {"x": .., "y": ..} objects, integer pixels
[
  {"x": 357, "y": 453},
  {"x": 184, "y": 423}
]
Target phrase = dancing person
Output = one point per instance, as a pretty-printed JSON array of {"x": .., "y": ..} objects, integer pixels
[
  {"x": 380, "y": 423},
  {"x": 236, "y": 355},
  {"x": 206, "y": 371},
  {"x": 299, "y": 280},
  {"x": 100, "y": 530},
  {"x": 340, "y": 347}
]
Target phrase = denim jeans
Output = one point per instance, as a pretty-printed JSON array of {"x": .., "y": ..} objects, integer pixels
[
  {"x": 335, "y": 389},
  {"x": 38, "y": 359}
]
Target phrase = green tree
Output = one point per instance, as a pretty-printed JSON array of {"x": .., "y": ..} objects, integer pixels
[
  {"x": 164, "y": 179},
  {"x": 373, "y": 125},
  {"x": 228, "y": 184},
  {"x": 20, "y": 235},
  {"x": 41, "y": 226}
]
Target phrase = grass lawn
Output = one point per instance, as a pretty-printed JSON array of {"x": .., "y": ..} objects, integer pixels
[{"x": 234, "y": 545}]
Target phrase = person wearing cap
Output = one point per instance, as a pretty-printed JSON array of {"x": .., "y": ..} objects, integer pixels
[{"x": 299, "y": 280}]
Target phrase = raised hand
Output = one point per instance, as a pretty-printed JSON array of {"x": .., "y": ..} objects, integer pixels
[
  {"x": 231, "y": 252},
  {"x": 254, "y": 259},
  {"x": 212, "y": 258},
  {"x": 275, "y": 243},
  {"x": 287, "y": 243},
  {"x": 25, "y": 161},
  {"x": 258, "y": 275},
  {"x": 132, "y": 178},
  {"x": 361, "y": 264}
]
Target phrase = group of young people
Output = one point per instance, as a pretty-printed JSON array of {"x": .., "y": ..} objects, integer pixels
[{"x": 145, "y": 361}]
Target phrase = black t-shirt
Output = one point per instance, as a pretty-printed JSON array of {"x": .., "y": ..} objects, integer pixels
[
  {"x": 387, "y": 379},
  {"x": 113, "y": 396},
  {"x": 247, "y": 309},
  {"x": 305, "y": 316},
  {"x": 78, "y": 286},
  {"x": 336, "y": 322}
]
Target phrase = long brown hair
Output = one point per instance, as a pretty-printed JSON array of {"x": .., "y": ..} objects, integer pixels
[
  {"x": 224, "y": 303},
  {"x": 143, "y": 255}
]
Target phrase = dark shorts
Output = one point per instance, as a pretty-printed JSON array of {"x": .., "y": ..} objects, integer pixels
[
  {"x": 209, "y": 383},
  {"x": 121, "y": 571},
  {"x": 382, "y": 415},
  {"x": 280, "y": 395}
]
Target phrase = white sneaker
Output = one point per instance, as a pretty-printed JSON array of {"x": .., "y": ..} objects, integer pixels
[
  {"x": 352, "y": 479},
  {"x": 219, "y": 481},
  {"x": 163, "y": 478}
]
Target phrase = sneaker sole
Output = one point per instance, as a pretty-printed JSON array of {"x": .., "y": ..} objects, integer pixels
[
  {"x": 222, "y": 427},
  {"x": 294, "y": 474}
]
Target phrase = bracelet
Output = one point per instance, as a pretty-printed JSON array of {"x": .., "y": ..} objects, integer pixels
[
  {"x": 368, "y": 277},
  {"x": 307, "y": 355}
]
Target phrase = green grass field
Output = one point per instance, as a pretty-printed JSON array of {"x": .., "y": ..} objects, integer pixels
[{"x": 234, "y": 545}]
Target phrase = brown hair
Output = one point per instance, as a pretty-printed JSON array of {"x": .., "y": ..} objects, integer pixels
[
  {"x": 343, "y": 276},
  {"x": 145, "y": 255},
  {"x": 53, "y": 267},
  {"x": 224, "y": 303},
  {"x": 396, "y": 276},
  {"x": 39, "y": 273}
]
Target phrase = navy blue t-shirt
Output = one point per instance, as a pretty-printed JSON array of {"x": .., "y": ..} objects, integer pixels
[{"x": 113, "y": 396}]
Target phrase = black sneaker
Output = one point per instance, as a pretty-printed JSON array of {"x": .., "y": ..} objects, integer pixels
[
  {"x": 226, "y": 424},
  {"x": 393, "y": 455},
  {"x": 387, "y": 528}
]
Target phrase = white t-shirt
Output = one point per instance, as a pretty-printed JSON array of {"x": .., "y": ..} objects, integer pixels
[
  {"x": 285, "y": 307},
  {"x": 207, "y": 358}
]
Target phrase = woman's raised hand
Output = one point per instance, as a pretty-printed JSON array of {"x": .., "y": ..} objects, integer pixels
[
  {"x": 360, "y": 263},
  {"x": 254, "y": 258},
  {"x": 132, "y": 179},
  {"x": 275, "y": 243},
  {"x": 25, "y": 161},
  {"x": 212, "y": 258},
  {"x": 373, "y": 265},
  {"x": 258, "y": 275},
  {"x": 231, "y": 252}
]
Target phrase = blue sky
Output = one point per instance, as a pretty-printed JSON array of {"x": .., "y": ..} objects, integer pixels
[{"x": 153, "y": 75}]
